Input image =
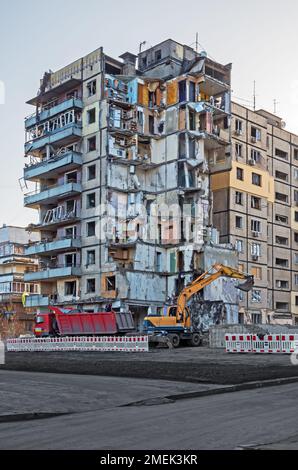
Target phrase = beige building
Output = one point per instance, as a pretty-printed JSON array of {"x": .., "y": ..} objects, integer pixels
[{"x": 256, "y": 210}]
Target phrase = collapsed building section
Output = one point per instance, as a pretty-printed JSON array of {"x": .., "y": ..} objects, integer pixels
[{"x": 122, "y": 159}]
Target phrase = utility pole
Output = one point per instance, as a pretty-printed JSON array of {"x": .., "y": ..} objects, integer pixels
[
  {"x": 197, "y": 42},
  {"x": 255, "y": 95}
]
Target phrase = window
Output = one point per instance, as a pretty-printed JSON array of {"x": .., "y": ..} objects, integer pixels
[
  {"x": 296, "y": 174},
  {"x": 239, "y": 198},
  {"x": 92, "y": 144},
  {"x": 151, "y": 124},
  {"x": 281, "y": 197},
  {"x": 296, "y": 279},
  {"x": 256, "y": 203},
  {"x": 296, "y": 216},
  {"x": 238, "y": 150},
  {"x": 256, "y": 319},
  {"x": 182, "y": 91},
  {"x": 70, "y": 260},
  {"x": 295, "y": 154},
  {"x": 281, "y": 176},
  {"x": 281, "y": 240},
  {"x": 256, "y": 179},
  {"x": 144, "y": 61},
  {"x": 257, "y": 273},
  {"x": 281, "y": 154},
  {"x": 90, "y": 257},
  {"x": 256, "y": 134},
  {"x": 91, "y": 88},
  {"x": 192, "y": 91},
  {"x": 239, "y": 222},
  {"x": 296, "y": 258},
  {"x": 70, "y": 206},
  {"x": 281, "y": 219},
  {"x": 157, "y": 55},
  {"x": 110, "y": 283},
  {"x": 70, "y": 288},
  {"x": 90, "y": 286},
  {"x": 296, "y": 303},
  {"x": 284, "y": 306},
  {"x": 91, "y": 172},
  {"x": 296, "y": 196},
  {"x": 71, "y": 177},
  {"x": 240, "y": 174},
  {"x": 91, "y": 198},
  {"x": 256, "y": 296},
  {"x": 238, "y": 126},
  {"x": 90, "y": 229},
  {"x": 282, "y": 284},
  {"x": 283, "y": 263},
  {"x": 239, "y": 246},
  {"x": 296, "y": 237},
  {"x": 71, "y": 232},
  {"x": 159, "y": 262},
  {"x": 256, "y": 226},
  {"x": 91, "y": 116},
  {"x": 255, "y": 155}
]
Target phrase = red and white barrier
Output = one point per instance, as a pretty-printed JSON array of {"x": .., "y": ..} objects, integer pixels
[
  {"x": 269, "y": 344},
  {"x": 238, "y": 344},
  {"x": 104, "y": 344}
]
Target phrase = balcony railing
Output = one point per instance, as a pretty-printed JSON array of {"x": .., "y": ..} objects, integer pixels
[
  {"x": 52, "y": 194},
  {"x": 65, "y": 135},
  {"x": 46, "y": 168},
  {"x": 53, "y": 246},
  {"x": 52, "y": 111},
  {"x": 53, "y": 271}
]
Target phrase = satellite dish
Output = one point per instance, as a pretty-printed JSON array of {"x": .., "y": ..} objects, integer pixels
[
  {"x": 283, "y": 124},
  {"x": 203, "y": 54}
]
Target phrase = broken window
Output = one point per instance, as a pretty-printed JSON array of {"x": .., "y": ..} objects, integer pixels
[
  {"x": 282, "y": 284},
  {"x": 157, "y": 55},
  {"x": 90, "y": 229},
  {"x": 90, "y": 257},
  {"x": 91, "y": 172},
  {"x": 151, "y": 125},
  {"x": 239, "y": 245},
  {"x": 256, "y": 296},
  {"x": 281, "y": 176},
  {"x": 91, "y": 286},
  {"x": 92, "y": 144},
  {"x": 70, "y": 260},
  {"x": 284, "y": 306},
  {"x": 239, "y": 222},
  {"x": 281, "y": 219},
  {"x": 256, "y": 272},
  {"x": 256, "y": 202},
  {"x": 182, "y": 91},
  {"x": 281, "y": 197},
  {"x": 71, "y": 232},
  {"x": 70, "y": 288},
  {"x": 192, "y": 92},
  {"x": 91, "y": 87},
  {"x": 91, "y": 116},
  {"x": 110, "y": 283},
  {"x": 70, "y": 206},
  {"x": 91, "y": 200},
  {"x": 159, "y": 262},
  {"x": 281, "y": 154},
  {"x": 282, "y": 262},
  {"x": 281, "y": 240},
  {"x": 71, "y": 177}
]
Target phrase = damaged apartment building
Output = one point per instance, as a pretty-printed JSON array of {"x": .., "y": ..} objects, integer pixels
[{"x": 109, "y": 141}]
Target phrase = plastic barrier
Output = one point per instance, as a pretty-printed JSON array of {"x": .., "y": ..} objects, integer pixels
[
  {"x": 289, "y": 343},
  {"x": 116, "y": 344},
  {"x": 238, "y": 344},
  {"x": 270, "y": 344}
]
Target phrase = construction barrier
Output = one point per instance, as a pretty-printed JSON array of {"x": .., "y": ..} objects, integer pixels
[
  {"x": 268, "y": 344},
  {"x": 104, "y": 344}
]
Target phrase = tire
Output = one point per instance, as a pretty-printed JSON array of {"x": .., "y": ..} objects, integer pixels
[
  {"x": 175, "y": 340},
  {"x": 195, "y": 340}
]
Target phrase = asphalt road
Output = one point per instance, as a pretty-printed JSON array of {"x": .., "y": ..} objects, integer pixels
[{"x": 264, "y": 418}]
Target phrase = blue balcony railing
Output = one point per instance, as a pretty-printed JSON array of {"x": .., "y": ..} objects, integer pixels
[
  {"x": 53, "y": 111},
  {"x": 53, "y": 246},
  {"x": 53, "y": 194},
  {"x": 55, "y": 272},
  {"x": 47, "y": 168},
  {"x": 65, "y": 135}
]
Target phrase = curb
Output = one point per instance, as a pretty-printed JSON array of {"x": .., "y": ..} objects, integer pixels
[{"x": 14, "y": 418}]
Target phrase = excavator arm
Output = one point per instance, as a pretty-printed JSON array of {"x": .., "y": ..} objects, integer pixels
[{"x": 217, "y": 271}]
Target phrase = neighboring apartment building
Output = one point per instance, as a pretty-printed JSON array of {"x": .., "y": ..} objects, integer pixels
[
  {"x": 256, "y": 210},
  {"x": 14, "y": 319},
  {"x": 107, "y": 134}
]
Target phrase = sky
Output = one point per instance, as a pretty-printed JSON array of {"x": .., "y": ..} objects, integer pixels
[{"x": 259, "y": 37}]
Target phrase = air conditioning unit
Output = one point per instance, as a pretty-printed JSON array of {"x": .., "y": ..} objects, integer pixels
[
  {"x": 238, "y": 132},
  {"x": 252, "y": 162},
  {"x": 256, "y": 234}
]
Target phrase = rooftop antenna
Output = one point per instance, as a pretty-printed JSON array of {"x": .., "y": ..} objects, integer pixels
[
  {"x": 255, "y": 100},
  {"x": 197, "y": 42},
  {"x": 275, "y": 102}
]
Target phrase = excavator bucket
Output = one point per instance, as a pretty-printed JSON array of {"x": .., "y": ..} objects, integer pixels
[{"x": 247, "y": 285}]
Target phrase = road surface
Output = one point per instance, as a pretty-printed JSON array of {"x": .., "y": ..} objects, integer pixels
[{"x": 266, "y": 418}]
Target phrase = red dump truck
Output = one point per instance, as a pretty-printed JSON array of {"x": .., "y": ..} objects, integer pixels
[{"x": 70, "y": 322}]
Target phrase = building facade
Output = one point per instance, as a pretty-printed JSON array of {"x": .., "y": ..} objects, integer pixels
[
  {"x": 117, "y": 153},
  {"x": 14, "y": 318},
  {"x": 256, "y": 210}
]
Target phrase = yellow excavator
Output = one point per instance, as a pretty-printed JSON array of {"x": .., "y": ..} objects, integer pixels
[{"x": 176, "y": 325}]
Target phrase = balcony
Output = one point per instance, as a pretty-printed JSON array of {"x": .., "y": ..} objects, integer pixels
[
  {"x": 52, "y": 195},
  {"x": 51, "y": 273},
  {"x": 55, "y": 246},
  {"x": 33, "y": 301},
  {"x": 65, "y": 136},
  {"x": 51, "y": 167},
  {"x": 45, "y": 114}
]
